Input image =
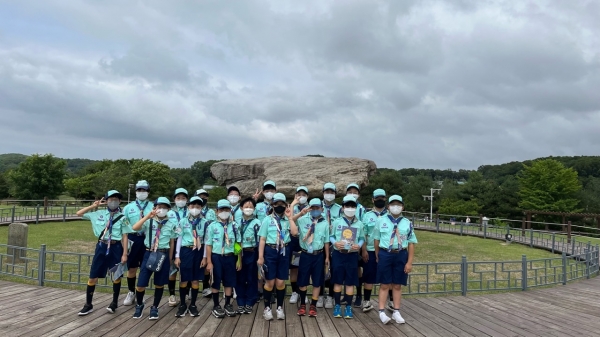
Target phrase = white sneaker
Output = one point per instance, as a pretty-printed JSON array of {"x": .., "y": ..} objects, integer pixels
[
  {"x": 280, "y": 313},
  {"x": 384, "y": 318},
  {"x": 320, "y": 302},
  {"x": 129, "y": 298},
  {"x": 398, "y": 318},
  {"x": 329, "y": 302},
  {"x": 294, "y": 298},
  {"x": 366, "y": 306},
  {"x": 234, "y": 294},
  {"x": 173, "y": 301},
  {"x": 267, "y": 314},
  {"x": 206, "y": 292}
]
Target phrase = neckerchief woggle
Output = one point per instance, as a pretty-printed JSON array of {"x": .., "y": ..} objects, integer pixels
[
  {"x": 108, "y": 229},
  {"x": 225, "y": 237},
  {"x": 157, "y": 234},
  {"x": 280, "y": 236},
  {"x": 395, "y": 231},
  {"x": 141, "y": 208},
  {"x": 309, "y": 237}
]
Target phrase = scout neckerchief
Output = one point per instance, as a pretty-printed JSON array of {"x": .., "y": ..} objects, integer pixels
[
  {"x": 204, "y": 211},
  {"x": 194, "y": 222},
  {"x": 141, "y": 207},
  {"x": 226, "y": 236},
  {"x": 245, "y": 224},
  {"x": 157, "y": 234},
  {"x": 301, "y": 207},
  {"x": 234, "y": 210},
  {"x": 395, "y": 231},
  {"x": 382, "y": 213},
  {"x": 267, "y": 207},
  {"x": 184, "y": 213},
  {"x": 108, "y": 228},
  {"x": 328, "y": 208},
  {"x": 280, "y": 243},
  {"x": 310, "y": 235}
]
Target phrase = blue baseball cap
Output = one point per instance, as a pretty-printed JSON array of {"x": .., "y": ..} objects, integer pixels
[
  {"x": 395, "y": 197},
  {"x": 315, "y": 202},
  {"x": 197, "y": 200},
  {"x": 348, "y": 199},
  {"x": 279, "y": 197},
  {"x": 378, "y": 193},
  {"x": 352, "y": 185},
  {"x": 302, "y": 188},
  {"x": 113, "y": 193},
  {"x": 163, "y": 201},
  {"x": 329, "y": 186},
  {"x": 201, "y": 191},
  {"x": 180, "y": 191},
  {"x": 223, "y": 203},
  {"x": 142, "y": 185},
  {"x": 269, "y": 183}
]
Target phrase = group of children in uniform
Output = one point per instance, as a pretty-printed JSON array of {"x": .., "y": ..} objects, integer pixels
[{"x": 252, "y": 248}]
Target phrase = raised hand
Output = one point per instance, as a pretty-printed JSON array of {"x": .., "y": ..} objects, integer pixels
[
  {"x": 256, "y": 194},
  {"x": 288, "y": 211}
]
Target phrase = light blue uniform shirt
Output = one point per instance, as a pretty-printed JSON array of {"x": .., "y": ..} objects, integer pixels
[
  {"x": 178, "y": 213},
  {"x": 338, "y": 227},
  {"x": 236, "y": 212},
  {"x": 186, "y": 230},
  {"x": 249, "y": 231},
  {"x": 384, "y": 230},
  {"x": 168, "y": 231},
  {"x": 215, "y": 237},
  {"x": 269, "y": 229},
  {"x": 136, "y": 210},
  {"x": 298, "y": 208},
  {"x": 369, "y": 221},
  {"x": 101, "y": 218},
  {"x": 320, "y": 232},
  {"x": 262, "y": 208},
  {"x": 331, "y": 212}
]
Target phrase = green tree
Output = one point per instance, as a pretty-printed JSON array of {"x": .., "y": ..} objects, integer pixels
[
  {"x": 200, "y": 170},
  {"x": 157, "y": 174},
  {"x": 549, "y": 186},
  {"x": 37, "y": 177},
  {"x": 417, "y": 187},
  {"x": 4, "y": 187},
  {"x": 387, "y": 179},
  {"x": 459, "y": 207}
]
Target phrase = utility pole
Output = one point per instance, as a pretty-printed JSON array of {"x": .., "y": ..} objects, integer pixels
[{"x": 430, "y": 197}]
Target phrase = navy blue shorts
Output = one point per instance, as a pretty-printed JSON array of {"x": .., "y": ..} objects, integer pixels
[
  {"x": 160, "y": 278},
  {"x": 344, "y": 269},
  {"x": 369, "y": 273},
  {"x": 223, "y": 270},
  {"x": 138, "y": 250},
  {"x": 278, "y": 266},
  {"x": 246, "y": 286},
  {"x": 102, "y": 262},
  {"x": 190, "y": 264},
  {"x": 311, "y": 267},
  {"x": 390, "y": 269}
]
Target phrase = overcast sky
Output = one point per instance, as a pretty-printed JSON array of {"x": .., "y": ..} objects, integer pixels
[{"x": 426, "y": 84}]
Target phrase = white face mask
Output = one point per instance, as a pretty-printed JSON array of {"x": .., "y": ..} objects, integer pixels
[
  {"x": 112, "y": 205},
  {"x": 349, "y": 212},
  {"x": 269, "y": 195},
  {"x": 355, "y": 196},
  {"x": 329, "y": 196},
  {"x": 180, "y": 203},
  {"x": 141, "y": 195},
  {"x": 162, "y": 212},
  {"x": 248, "y": 211},
  {"x": 233, "y": 199},
  {"x": 194, "y": 211},
  {"x": 395, "y": 209},
  {"x": 303, "y": 200},
  {"x": 224, "y": 215}
]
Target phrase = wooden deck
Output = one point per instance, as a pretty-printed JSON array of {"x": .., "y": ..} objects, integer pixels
[{"x": 572, "y": 310}]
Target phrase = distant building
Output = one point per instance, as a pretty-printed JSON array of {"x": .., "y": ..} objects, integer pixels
[{"x": 208, "y": 187}]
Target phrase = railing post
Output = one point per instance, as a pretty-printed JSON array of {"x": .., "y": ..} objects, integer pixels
[
  {"x": 573, "y": 246},
  {"x": 414, "y": 219},
  {"x": 597, "y": 259},
  {"x": 461, "y": 228},
  {"x": 553, "y": 241},
  {"x": 12, "y": 218},
  {"x": 569, "y": 232},
  {"x": 41, "y": 265},
  {"x": 484, "y": 232},
  {"x": 463, "y": 275},
  {"x": 587, "y": 260},
  {"x": 564, "y": 262},
  {"x": 531, "y": 237},
  {"x": 524, "y": 273},
  {"x": 65, "y": 212},
  {"x": 437, "y": 222},
  {"x": 37, "y": 214}
]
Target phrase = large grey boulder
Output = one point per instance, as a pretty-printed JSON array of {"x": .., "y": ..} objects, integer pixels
[{"x": 291, "y": 172}]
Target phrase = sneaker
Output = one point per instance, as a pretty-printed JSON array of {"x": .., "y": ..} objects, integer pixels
[
  {"x": 320, "y": 302},
  {"x": 384, "y": 318},
  {"x": 312, "y": 311},
  {"x": 218, "y": 312},
  {"x": 139, "y": 310},
  {"x": 229, "y": 310},
  {"x": 358, "y": 302},
  {"x": 129, "y": 298},
  {"x": 398, "y": 318},
  {"x": 248, "y": 309},
  {"x": 173, "y": 301},
  {"x": 267, "y": 314},
  {"x": 390, "y": 306},
  {"x": 241, "y": 309},
  {"x": 206, "y": 292},
  {"x": 112, "y": 307},
  {"x": 348, "y": 312},
  {"x": 337, "y": 311},
  {"x": 181, "y": 311},
  {"x": 329, "y": 302},
  {"x": 153, "y": 313},
  {"x": 86, "y": 310},
  {"x": 280, "y": 313},
  {"x": 302, "y": 310},
  {"x": 294, "y": 298},
  {"x": 366, "y": 306},
  {"x": 193, "y": 310}
]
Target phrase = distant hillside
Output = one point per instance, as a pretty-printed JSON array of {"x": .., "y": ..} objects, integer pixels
[
  {"x": 586, "y": 167},
  {"x": 9, "y": 161}
]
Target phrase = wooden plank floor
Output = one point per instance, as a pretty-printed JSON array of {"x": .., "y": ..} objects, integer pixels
[{"x": 571, "y": 310}]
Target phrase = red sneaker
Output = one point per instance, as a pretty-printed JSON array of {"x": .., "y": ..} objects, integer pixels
[
  {"x": 312, "y": 312},
  {"x": 302, "y": 310}
]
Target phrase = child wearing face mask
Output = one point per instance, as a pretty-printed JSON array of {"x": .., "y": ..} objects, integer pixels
[
  {"x": 394, "y": 241},
  {"x": 233, "y": 196},
  {"x": 208, "y": 215},
  {"x": 246, "y": 280},
  {"x": 176, "y": 214},
  {"x": 300, "y": 202},
  {"x": 111, "y": 228},
  {"x": 273, "y": 253},
  {"x": 268, "y": 191},
  {"x": 368, "y": 262},
  {"x": 161, "y": 233},
  {"x": 353, "y": 190},
  {"x": 189, "y": 255},
  {"x": 313, "y": 231},
  {"x": 220, "y": 240},
  {"x": 345, "y": 256},
  {"x": 134, "y": 211},
  {"x": 331, "y": 211}
]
